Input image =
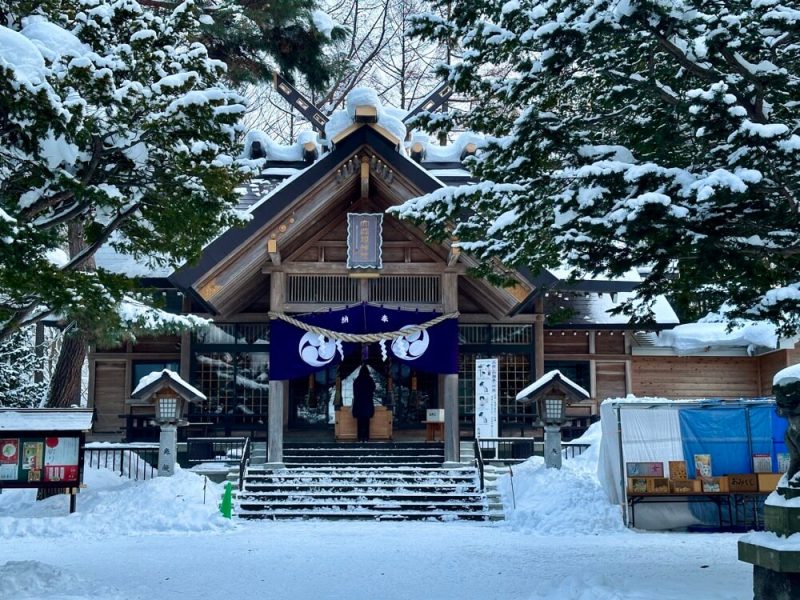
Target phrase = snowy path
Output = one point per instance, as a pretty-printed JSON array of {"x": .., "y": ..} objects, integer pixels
[{"x": 353, "y": 561}]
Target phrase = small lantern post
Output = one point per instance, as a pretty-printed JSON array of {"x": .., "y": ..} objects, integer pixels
[
  {"x": 169, "y": 394},
  {"x": 552, "y": 393}
]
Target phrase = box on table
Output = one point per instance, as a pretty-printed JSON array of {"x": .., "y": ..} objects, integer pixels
[
  {"x": 745, "y": 482},
  {"x": 637, "y": 485},
  {"x": 685, "y": 486},
  {"x": 434, "y": 415},
  {"x": 645, "y": 469},
  {"x": 657, "y": 485},
  {"x": 702, "y": 465},
  {"x": 767, "y": 482},
  {"x": 677, "y": 470},
  {"x": 713, "y": 485}
]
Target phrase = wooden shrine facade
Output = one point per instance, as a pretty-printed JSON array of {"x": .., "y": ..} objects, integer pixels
[{"x": 291, "y": 258}]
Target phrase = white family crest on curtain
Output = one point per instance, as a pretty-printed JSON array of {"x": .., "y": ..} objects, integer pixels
[
  {"x": 412, "y": 345},
  {"x": 316, "y": 350}
]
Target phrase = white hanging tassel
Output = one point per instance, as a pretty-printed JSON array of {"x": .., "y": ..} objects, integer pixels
[
  {"x": 340, "y": 349},
  {"x": 384, "y": 353}
]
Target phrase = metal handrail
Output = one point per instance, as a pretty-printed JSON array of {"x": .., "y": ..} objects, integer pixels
[
  {"x": 244, "y": 462},
  {"x": 130, "y": 460},
  {"x": 479, "y": 461}
]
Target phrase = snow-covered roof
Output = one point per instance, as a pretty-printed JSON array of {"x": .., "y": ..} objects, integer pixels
[
  {"x": 111, "y": 260},
  {"x": 155, "y": 380},
  {"x": 590, "y": 308},
  {"x": 786, "y": 376},
  {"x": 693, "y": 337},
  {"x": 564, "y": 273},
  {"x": 547, "y": 378},
  {"x": 45, "y": 419}
]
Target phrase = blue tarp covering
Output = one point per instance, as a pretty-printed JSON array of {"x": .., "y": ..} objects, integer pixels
[{"x": 722, "y": 432}]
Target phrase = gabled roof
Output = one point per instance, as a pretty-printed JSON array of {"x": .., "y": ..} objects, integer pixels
[
  {"x": 159, "y": 380},
  {"x": 281, "y": 197}
]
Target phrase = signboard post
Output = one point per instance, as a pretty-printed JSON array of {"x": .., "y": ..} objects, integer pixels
[
  {"x": 43, "y": 448},
  {"x": 486, "y": 398}
]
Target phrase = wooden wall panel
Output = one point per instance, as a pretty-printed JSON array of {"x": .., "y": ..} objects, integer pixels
[
  {"x": 769, "y": 364},
  {"x": 572, "y": 342},
  {"x": 110, "y": 391},
  {"x": 166, "y": 343},
  {"x": 610, "y": 380},
  {"x": 605, "y": 343},
  {"x": 695, "y": 377}
]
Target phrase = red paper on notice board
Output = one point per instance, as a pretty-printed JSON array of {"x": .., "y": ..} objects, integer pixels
[{"x": 61, "y": 459}]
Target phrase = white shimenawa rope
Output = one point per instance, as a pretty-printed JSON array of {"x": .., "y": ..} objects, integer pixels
[{"x": 362, "y": 338}]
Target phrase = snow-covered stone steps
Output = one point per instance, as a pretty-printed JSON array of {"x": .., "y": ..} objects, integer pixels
[
  {"x": 376, "y": 515},
  {"x": 344, "y": 487},
  {"x": 366, "y": 471},
  {"x": 366, "y": 464},
  {"x": 361, "y": 497},
  {"x": 363, "y": 504},
  {"x": 365, "y": 483}
]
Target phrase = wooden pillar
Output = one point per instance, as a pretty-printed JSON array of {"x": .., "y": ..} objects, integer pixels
[
  {"x": 628, "y": 371},
  {"x": 538, "y": 337},
  {"x": 277, "y": 400},
  {"x": 452, "y": 437},
  {"x": 593, "y": 366},
  {"x": 186, "y": 344},
  {"x": 278, "y": 390}
]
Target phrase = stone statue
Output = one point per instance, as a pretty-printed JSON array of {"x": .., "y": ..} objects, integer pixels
[{"x": 787, "y": 397}]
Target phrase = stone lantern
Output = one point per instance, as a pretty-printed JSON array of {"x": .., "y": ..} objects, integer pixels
[
  {"x": 552, "y": 393},
  {"x": 169, "y": 395}
]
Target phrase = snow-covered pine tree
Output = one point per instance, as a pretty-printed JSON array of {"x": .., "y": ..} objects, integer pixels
[
  {"x": 22, "y": 381},
  {"x": 249, "y": 35},
  {"x": 634, "y": 133},
  {"x": 113, "y": 118}
]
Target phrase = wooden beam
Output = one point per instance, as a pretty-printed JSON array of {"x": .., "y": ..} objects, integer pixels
[
  {"x": 329, "y": 268},
  {"x": 365, "y": 177},
  {"x": 453, "y": 255},
  {"x": 272, "y": 249},
  {"x": 469, "y": 150},
  {"x": 310, "y": 152},
  {"x": 432, "y": 101},
  {"x": 366, "y": 114},
  {"x": 299, "y": 102},
  {"x": 418, "y": 151}
]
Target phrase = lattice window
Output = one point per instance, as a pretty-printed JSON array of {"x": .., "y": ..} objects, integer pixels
[
  {"x": 216, "y": 334},
  {"x": 234, "y": 383},
  {"x": 322, "y": 289},
  {"x": 466, "y": 382},
  {"x": 515, "y": 375},
  {"x": 425, "y": 289},
  {"x": 214, "y": 375},
  {"x": 473, "y": 334},
  {"x": 252, "y": 383}
]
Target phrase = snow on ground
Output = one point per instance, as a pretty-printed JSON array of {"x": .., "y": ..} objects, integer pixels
[{"x": 156, "y": 539}]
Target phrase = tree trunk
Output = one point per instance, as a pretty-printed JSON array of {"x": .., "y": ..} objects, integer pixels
[{"x": 65, "y": 384}]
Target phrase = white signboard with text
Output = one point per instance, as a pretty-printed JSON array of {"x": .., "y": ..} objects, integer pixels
[{"x": 486, "y": 397}]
